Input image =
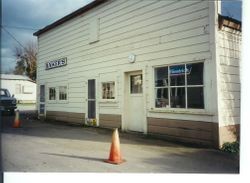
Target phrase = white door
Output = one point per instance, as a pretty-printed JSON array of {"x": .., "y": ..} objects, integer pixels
[{"x": 134, "y": 101}]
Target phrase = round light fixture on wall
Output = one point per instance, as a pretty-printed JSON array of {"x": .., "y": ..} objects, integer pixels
[{"x": 131, "y": 58}]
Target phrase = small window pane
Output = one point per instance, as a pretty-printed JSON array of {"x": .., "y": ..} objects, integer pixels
[
  {"x": 91, "y": 89},
  {"x": 177, "y": 75},
  {"x": 52, "y": 93},
  {"x": 161, "y": 99},
  {"x": 62, "y": 93},
  {"x": 108, "y": 90},
  {"x": 161, "y": 76},
  {"x": 195, "y": 97},
  {"x": 136, "y": 84},
  {"x": 177, "y": 97},
  {"x": 195, "y": 74}
]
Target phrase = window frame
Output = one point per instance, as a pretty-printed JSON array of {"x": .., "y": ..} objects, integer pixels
[
  {"x": 52, "y": 101},
  {"x": 108, "y": 99},
  {"x": 169, "y": 87},
  {"x": 101, "y": 100},
  {"x": 61, "y": 100}
]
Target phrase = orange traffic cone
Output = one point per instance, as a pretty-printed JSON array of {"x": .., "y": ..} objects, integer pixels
[
  {"x": 115, "y": 154},
  {"x": 16, "y": 122}
]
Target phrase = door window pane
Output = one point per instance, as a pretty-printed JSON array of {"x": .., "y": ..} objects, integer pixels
[
  {"x": 136, "y": 84},
  {"x": 177, "y": 75},
  {"x": 195, "y": 97},
  {"x": 195, "y": 74},
  {"x": 177, "y": 97}
]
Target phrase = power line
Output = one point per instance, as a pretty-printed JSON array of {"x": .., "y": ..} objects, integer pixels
[
  {"x": 19, "y": 27},
  {"x": 13, "y": 37}
]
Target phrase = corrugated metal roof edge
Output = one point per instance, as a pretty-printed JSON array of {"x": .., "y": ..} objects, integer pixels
[{"x": 70, "y": 16}]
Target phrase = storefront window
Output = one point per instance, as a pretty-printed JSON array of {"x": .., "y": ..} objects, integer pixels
[
  {"x": 108, "y": 90},
  {"x": 52, "y": 93},
  {"x": 62, "y": 92},
  {"x": 185, "y": 89}
]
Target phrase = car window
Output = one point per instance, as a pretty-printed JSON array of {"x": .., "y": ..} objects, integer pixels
[{"x": 4, "y": 93}]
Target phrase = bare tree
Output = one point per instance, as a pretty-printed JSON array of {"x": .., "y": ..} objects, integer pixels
[{"x": 26, "y": 57}]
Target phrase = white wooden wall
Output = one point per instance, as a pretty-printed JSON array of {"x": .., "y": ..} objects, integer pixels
[
  {"x": 25, "y": 97},
  {"x": 229, "y": 74},
  {"x": 157, "y": 32}
]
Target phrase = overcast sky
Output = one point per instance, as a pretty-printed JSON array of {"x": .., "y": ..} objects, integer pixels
[{"x": 36, "y": 14}]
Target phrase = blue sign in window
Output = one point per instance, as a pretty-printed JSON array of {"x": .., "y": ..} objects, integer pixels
[{"x": 180, "y": 70}]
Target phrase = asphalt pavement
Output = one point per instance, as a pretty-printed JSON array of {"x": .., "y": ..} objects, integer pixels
[{"x": 50, "y": 146}]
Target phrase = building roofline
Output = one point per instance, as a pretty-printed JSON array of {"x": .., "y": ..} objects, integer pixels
[
  {"x": 15, "y": 77},
  {"x": 70, "y": 16},
  {"x": 229, "y": 22}
]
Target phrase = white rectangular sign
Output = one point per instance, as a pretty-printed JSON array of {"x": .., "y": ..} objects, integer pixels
[{"x": 56, "y": 63}]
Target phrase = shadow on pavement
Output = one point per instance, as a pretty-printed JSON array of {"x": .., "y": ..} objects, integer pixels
[
  {"x": 196, "y": 162},
  {"x": 73, "y": 156},
  {"x": 30, "y": 126}
]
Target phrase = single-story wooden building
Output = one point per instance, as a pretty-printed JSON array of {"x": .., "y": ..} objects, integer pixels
[
  {"x": 166, "y": 68},
  {"x": 22, "y": 87}
]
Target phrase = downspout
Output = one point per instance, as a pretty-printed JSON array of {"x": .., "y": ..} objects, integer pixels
[{"x": 214, "y": 9}]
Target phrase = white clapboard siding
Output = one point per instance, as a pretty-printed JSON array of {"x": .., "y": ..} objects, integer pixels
[
  {"x": 158, "y": 32},
  {"x": 101, "y": 10},
  {"x": 170, "y": 47},
  {"x": 230, "y": 104},
  {"x": 229, "y": 120},
  {"x": 162, "y": 13},
  {"x": 229, "y": 78},
  {"x": 229, "y": 73},
  {"x": 167, "y": 23},
  {"x": 116, "y": 46},
  {"x": 229, "y": 61},
  {"x": 230, "y": 95},
  {"x": 114, "y": 40}
]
